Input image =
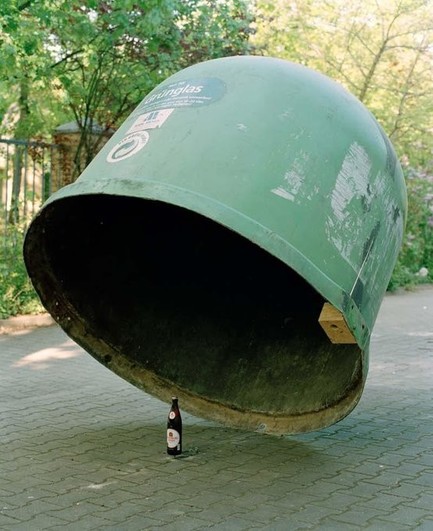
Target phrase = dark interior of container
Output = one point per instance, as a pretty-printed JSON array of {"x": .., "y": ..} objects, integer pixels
[{"x": 190, "y": 301}]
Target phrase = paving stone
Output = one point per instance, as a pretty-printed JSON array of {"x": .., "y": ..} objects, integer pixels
[
  {"x": 383, "y": 525},
  {"x": 89, "y": 523},
  {"x": 219, "y": 512},
  {"x": 349, "y": 478},
  {"x": 425, "y": 501},
  {"x": 136, "y": 523},
  {"x": 280, "y": 524},
  {"x": 187, "y": 523},
  {"x": 339, "y": 501},
  {"x": 361, "y": 516},
  {"x": 405, "y": 490},
  {"x": 206, "y": 498},
  {"x": 425, "y": 478},
  {"x": 8, "y": 521},
  {"x": 32, "y": 508},
  {"x": 427, "y": 525},
  {"x": 408, "y": 515},
  {"x": 363, "y": 490},
  {"x": 387, "y": 478},
  {"x": 294, "y": 500},
  {"x": 425, "y": 459},
  {"x": 315, "y": 514},
  {"x": 233, "y": 523},
  {"x": 83, "y": 449},
  {"x": 333, "y": 525},
  {"x": 41, "y": 521},
  {"x": 385, "y": 502}
]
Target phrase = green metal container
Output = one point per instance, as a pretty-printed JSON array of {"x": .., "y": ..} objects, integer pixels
[{"x": 194, "y": 254}]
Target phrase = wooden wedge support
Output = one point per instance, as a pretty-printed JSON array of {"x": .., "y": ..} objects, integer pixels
[{"x": 335, "y": 326}]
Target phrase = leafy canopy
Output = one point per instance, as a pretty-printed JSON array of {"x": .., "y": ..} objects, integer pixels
[
  {"x": 381, "y": 50},
  {"x": 96, "y": 59}
]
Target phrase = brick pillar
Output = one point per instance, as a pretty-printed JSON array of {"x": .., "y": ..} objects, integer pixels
[{"x": 65, "y": 170}]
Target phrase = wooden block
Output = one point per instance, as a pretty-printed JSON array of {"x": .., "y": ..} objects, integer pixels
[{"x": 335, "y": 326}]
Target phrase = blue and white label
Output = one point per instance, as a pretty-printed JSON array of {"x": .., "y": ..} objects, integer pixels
[{"x": 196, "y": 92}]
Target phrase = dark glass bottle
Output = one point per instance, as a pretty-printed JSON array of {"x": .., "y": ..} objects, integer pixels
[{"x": 174, "y": 429}]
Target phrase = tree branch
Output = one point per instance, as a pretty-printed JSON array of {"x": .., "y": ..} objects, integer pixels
[
  {"x": 25, "y": 5},
  {"x": 66, "y": 58}
]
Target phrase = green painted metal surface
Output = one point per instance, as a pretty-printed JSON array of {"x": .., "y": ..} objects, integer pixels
[{"x": 281, "y": 176}]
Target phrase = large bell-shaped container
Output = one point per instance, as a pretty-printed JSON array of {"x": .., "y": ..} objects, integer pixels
[{"x": 231, "y": 244}]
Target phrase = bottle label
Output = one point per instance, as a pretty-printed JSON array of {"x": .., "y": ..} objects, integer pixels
[
  {"x": 173, "y": 438},
  {"x": 171, "y": 415}
]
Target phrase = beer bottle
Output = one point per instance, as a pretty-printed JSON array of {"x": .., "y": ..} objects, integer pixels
[{"x": 174, "y": 429}]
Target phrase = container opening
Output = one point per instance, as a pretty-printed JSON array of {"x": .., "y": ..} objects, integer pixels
[{"x": 176, "y": 295}]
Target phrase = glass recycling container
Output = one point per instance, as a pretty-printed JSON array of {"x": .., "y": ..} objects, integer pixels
[{"x": 231, "y": 245}]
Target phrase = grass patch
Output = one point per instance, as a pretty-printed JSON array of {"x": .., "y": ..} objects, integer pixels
[{"x": 17, "y": 295}]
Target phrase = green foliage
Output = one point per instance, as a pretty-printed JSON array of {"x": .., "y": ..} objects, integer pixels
[
  {"x": 97, "y": 59},
  {"x": 415, "y": 262},
  {"x": 17, "y": 295},
  {"x": 381, "y": 51}
]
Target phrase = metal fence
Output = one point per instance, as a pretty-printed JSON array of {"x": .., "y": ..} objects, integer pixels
[{"x": 28, "y": 172}]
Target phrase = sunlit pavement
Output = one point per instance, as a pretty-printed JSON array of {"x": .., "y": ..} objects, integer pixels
[{"x": 83, "y": 449}]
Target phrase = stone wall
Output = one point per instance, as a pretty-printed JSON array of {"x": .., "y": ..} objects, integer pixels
[{"x": 67, "y": 165}]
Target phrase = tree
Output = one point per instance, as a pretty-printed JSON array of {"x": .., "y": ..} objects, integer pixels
[
  {"x": 381, "y": 50},
  {"x": 24, "y": 63},
  {"x": 98, "y": 58}
]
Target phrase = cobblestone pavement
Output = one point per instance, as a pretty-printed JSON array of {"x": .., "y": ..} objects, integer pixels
[{"x": 82, "y": 449}]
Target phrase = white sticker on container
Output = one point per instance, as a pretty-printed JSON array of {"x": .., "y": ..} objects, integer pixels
[
  {"x": 150, "y": 120},
  {"x": 128, "y": 146}
]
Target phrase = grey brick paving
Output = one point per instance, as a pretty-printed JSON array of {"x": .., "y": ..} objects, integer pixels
[{"x": 82, "y": 449}]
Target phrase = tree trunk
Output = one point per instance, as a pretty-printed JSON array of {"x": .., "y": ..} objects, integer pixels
[{"x": 20, "y": 134}]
